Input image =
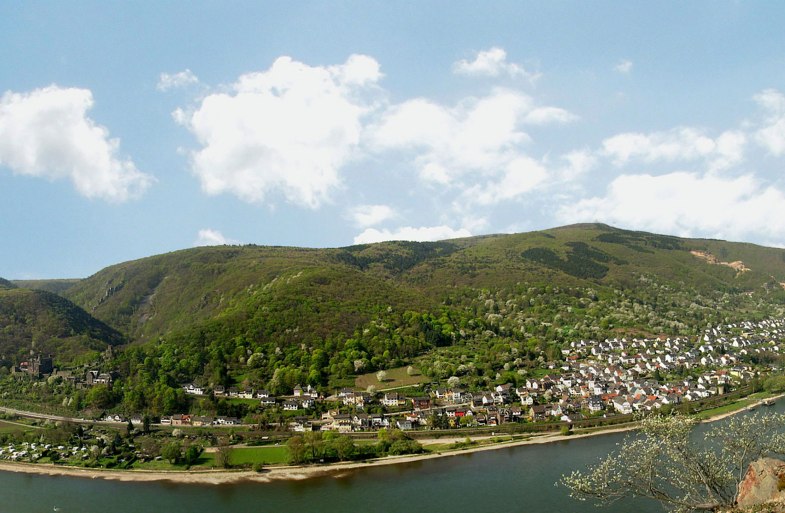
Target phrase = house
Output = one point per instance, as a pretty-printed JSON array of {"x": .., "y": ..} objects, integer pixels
[
  {"x": 192, "y": 389},
  {"x": 344, "y": 392},
  {"x": 379, "y": 421},
  {"x": 456, "y": 396},
  {"x": 622, "y": 405},
  {"x": 361, "y": 421},
  {"x": 343, "y": 423},
  {"x": 595, "y": 404},
  {"x": 538, "y": 412},
  {"x": 404, "y": 425},
  {"x": 480, "y": 400},
  {"x": 93, "y": 377},
  {"x": 421, "y": 403},
  {"x": 393, "y": 399},
  {"x": 201, "y": 421},
  {"x": 359, "y": 399},
  {"x": 527, "y": 400},
  {"x": 181, "y": 420},
  {"x": 301, "y": 425},
  {"x": 291, "y": 406}
]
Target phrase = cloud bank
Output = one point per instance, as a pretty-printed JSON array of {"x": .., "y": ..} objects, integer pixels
[
  {"x": 47, "y": 133},
  {"x": 491, "y": 63},
  {"x": 168, "y": 81},
  {"x": 286, "y": 131},
  {"x": 210, "y": 237},
  {"x": 410, "y": 233}
]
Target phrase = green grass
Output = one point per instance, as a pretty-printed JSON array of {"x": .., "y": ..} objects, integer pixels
[
  {"x": 267, "y": 455},
  {"x": 734, "y": 406},
  {"x": 15, "y": 427},
  {"x": 396, "y": 378},
  {"x": 720, "y": 410}
]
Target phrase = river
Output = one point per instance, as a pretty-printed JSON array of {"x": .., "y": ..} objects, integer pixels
[{"x": 511, "y": 480}]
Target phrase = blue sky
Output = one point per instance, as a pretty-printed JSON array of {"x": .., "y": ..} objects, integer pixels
[{"x": 129, "y": 129}]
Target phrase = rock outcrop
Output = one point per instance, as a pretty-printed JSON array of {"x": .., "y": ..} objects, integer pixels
[
  {"x": 737, "y": 266},
  {"x": 763, "y": 483}
]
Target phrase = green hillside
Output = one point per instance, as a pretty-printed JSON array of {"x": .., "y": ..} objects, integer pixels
[
  {"x": 277, "y": 316},
  {"x": 313, "y": 290},
  {"x": 44, "y": 322},
  {"x": 489, "y": 309},
  {"x": 54, "y": 286},
  {"x": 5, "y": 284},
  {"x": 293, "y": 295}
]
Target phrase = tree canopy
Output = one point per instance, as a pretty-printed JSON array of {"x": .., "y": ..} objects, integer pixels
[{"x": 666, "y": 461}]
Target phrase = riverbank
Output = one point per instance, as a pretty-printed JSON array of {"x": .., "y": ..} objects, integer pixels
[{"x": 335, "y": 470}]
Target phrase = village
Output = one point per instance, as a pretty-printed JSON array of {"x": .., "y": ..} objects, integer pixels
[
  {"x": 596, "y": 379},
  {"x": 602, "y": 381}
]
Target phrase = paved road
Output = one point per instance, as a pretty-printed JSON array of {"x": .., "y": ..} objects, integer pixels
[{"x": 44, "y": 416}]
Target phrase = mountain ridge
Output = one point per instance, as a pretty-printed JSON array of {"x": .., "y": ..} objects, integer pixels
[
  {"x": 149, "y": 297},
  {"x": 489, "y": 306}
]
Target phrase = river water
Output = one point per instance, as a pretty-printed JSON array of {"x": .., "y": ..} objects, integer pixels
[{"x": 514, "y": 480}]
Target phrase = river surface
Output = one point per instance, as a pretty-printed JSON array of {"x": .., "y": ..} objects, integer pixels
[{"x": 511, "y": 480}]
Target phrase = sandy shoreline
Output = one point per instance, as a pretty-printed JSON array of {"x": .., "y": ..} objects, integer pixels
[{"x": 302, "y": 472}]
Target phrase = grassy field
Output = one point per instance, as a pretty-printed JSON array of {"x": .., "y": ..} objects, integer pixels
[
  {"x": 396, "y": 378},
  {"x": 734, "y": 406},
  {"x": 7, "y": 426},
  {"x": 266, "y": 455}
]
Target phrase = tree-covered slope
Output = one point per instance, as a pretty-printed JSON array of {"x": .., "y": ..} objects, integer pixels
[
  {"x": 313, "y": 290},
  {"x": 44, "y": 322},
  {"x": 484, "y": 307},
  {"x": 5, "y": 284},
  {"x": 601, "y": 255},
  {"x": 55, "y": 286},
  {"x": 327, "y": 292}
]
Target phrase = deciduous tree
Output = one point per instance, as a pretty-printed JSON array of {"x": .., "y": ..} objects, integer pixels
[{"x": 666, "y": 462}]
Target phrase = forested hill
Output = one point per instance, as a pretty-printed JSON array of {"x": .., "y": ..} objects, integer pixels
[
  {"x": 56, "y": 286},
  {"x": 275, "y": 316},
  {"x": 43, "y": 322},
  {"x": 335, "y": 290},
  {"x": 5, "y": 284}
]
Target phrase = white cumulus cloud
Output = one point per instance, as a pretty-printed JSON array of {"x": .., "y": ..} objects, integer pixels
[
  {"x": 287, "y": 130},
  {"x": 688, "y": 204},
  {"x": 479, "y": 136},
  {"x": 410, "y": 233},
  {"x": 167, "y": 81},
  {"x": 370, "y": 215},
  {"x": 520, "y": 176},
  {"x": 624, "y": 66},
  {"x": 491, "y": 63},
  {"x": 210, "y": 237},
  {"x": 579, "y": 162},
  {"x": 47, "y": 133},
  {"x": 547, "y": 115},
  {"x": 679, "y": 144},
  {"x": 772, "y": 135}
]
